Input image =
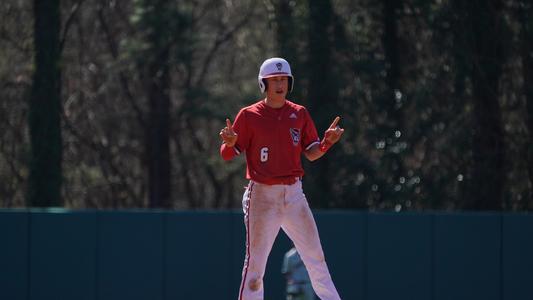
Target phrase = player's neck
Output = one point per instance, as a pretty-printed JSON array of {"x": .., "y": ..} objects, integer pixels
[{"x": 275, "y": 102}]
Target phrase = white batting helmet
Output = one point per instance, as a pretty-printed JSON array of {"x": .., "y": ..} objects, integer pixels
[{"x": 273, "y": 67}]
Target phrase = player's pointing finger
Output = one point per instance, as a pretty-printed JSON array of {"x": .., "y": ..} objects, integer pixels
[
  {"x": 229, "y": 127},
  {"x": 334, "y": 124}
]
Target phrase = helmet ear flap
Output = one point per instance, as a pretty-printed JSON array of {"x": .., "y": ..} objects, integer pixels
[
  {"x": 290, "y": 84},
  {"x": 262, "y": 85}
]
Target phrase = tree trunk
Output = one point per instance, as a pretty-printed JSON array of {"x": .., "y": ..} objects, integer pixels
[
  {"x": 322, "y": 95},
  {"x": 390, "y": 45},
  {"x": 156, "y": 23},
  {"x": 488, "y": 174},
  {"x": 392, "y": 103},
  {"x": 527, "y": 69},
  {"x": 159, "y": 133},
  {"x": 45, "y": 176},
  {"x": 285, "y": 30}
]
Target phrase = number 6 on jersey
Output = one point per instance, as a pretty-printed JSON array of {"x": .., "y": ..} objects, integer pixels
[{"x": 264, "y": 154}]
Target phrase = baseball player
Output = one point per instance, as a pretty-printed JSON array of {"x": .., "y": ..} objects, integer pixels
[
  {"x": 274, "y": 132},
  {"x": 298, "y": 282}
]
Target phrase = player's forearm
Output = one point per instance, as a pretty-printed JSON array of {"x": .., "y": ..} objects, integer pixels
[
  {"x": 227, "y": 152},
  {"x": 318, "y": 150},
  {"x": 314, "y": 153}
]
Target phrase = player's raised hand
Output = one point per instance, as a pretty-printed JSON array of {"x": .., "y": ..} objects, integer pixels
[
  {"x": 334, "y": 132},
  {"x": 229, "y": 137}
]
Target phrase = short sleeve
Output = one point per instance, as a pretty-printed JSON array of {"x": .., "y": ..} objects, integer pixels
[{"x": 241, "y": 127}]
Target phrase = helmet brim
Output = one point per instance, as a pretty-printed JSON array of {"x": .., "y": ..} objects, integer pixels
[{"x": 277, "y": 75}]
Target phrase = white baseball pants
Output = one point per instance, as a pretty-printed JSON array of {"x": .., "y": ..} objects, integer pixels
[{"x": 267, "y": 208}]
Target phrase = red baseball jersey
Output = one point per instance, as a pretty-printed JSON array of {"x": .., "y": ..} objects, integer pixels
[{"x": 273, "y": 140}]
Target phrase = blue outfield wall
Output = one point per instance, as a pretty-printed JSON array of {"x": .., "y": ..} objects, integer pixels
[{"x": 100, "y": 255}]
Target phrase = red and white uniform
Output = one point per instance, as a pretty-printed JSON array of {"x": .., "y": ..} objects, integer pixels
[{"x": 273, "y": 141}]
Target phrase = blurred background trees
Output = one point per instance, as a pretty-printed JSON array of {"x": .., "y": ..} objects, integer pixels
[{"x": 436, "y": 98}]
